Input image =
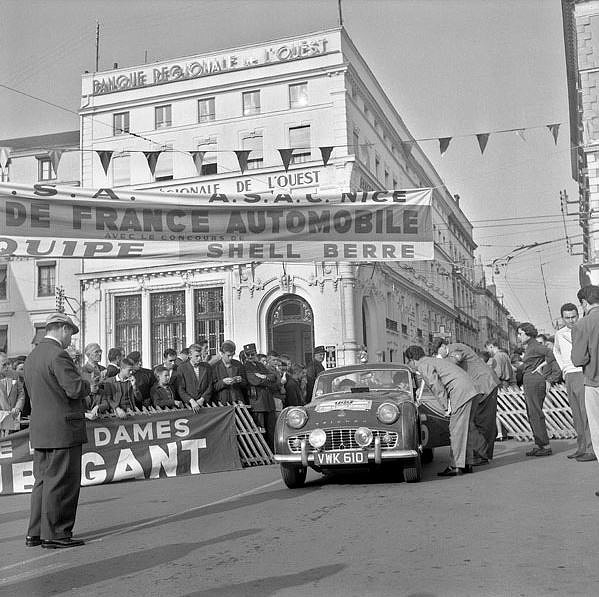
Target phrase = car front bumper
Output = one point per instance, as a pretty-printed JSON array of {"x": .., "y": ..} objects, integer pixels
[{"x": 376, "y": 455}]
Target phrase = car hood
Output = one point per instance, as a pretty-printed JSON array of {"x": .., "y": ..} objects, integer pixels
[{"x": 356, "y": 409}]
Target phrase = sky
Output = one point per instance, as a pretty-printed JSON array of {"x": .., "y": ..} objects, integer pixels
[{"x": 452, "y": 68}]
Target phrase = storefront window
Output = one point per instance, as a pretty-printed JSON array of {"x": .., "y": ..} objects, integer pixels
[
  {"x": 167, "y": 323},
  {"x": 127, "y": 318},
  {"x": 209, "y": 316}
]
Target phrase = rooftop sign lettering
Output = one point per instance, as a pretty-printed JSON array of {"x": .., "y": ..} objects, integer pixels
[{"x": 202, "y": 67}]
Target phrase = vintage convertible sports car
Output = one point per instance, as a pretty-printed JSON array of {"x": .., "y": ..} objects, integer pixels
[{"x": 361, "y": 416}]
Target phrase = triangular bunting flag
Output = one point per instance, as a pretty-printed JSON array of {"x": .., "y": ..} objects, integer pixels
[
  {"x": 483, "y": 139},
  {"x": 554, "y": 130},
  {"x": 105, "y": 157},
  {"x": 198, "y": 158},
  {"x": 152, "y": 158},
  {"x": 325, "y": 152},
  {"x": 520, "y": 133},
  {"x": 242, "y": 158},
  {"x": 444, "y": 144},
  {"x": 4, "y": 156},
  {"x": 55, "y": 155},
  {"x": 286, "y": 157}
]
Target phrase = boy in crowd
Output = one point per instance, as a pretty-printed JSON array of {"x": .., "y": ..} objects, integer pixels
[
  {"x": 228, "y": 375},
  {"x": 121, "y": 393},
  {"x": 162, "y": 393}
]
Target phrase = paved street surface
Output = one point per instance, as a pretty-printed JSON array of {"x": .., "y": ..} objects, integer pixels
[{"x": 520, "y": 527}]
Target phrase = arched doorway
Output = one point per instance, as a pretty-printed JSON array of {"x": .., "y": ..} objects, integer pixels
[{"x": 291, "y": 328}]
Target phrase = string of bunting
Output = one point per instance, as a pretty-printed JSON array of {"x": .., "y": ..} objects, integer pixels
[{"x": 286, "y": 154}]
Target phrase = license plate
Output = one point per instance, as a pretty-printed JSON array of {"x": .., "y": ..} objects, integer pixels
[{"x": 339, "y": 457}]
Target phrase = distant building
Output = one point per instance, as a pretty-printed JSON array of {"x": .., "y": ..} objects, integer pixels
[
  {"x": 31, "y": 288},
  {"x": 302, "y": 92}
]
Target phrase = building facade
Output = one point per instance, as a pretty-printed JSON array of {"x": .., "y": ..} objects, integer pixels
[
  {"x": 302, "y": 93},
  {"x": 31, "y": 288}
]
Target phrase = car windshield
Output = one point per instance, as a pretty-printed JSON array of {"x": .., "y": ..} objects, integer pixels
[{"x": 374, "y": 379}]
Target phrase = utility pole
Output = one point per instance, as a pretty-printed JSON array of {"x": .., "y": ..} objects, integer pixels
[{"x": 97, "y": 46}]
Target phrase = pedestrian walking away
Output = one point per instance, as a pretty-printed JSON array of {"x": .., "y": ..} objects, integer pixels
[{"x": 56, "y": 433}]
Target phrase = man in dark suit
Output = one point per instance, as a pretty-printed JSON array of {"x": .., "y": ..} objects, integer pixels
[
  {"x": 194, "y": 379},
  {"x": 314, "y": 369},
  {"x": 56, "y": 433},
  {"x": 144, "y": 378},
  {"x": 228, "y": 375}
]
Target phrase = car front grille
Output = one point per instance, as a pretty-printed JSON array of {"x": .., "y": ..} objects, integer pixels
[{"x": 343, "y": 439}]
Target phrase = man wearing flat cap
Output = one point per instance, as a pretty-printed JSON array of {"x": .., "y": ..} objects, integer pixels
[
  {"x": 314, "y": 369},
  {"x": 228, "y": 376},
  {"x": 56, "y": 433}
]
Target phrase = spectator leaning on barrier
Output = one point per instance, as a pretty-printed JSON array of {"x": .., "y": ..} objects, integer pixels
[
  {"x": 574, "y": 378},
  {"x": 162, "y": 393},
  {"x": 585, "y": 354},
  {"x": 294, "y": 395},
  {"x": 501, "y": 363},
  {"x": 19, "y": 366},
  {"x": 121, "y": 393},
  {"x": 228, "y": 375},
  {"x": 115, "y": 356},
  {"x": 535, "y": 357},
  {"x": 93, "y": 372},
  {"x": 144, "y": 378},
  {"x": 261, "y": 399},
  {"x": 194, "y": 379},
  {"x": 12, "y": 396}
]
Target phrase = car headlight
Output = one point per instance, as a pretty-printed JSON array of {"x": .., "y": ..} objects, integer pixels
[
  {"x": 387, "y": 413},
  {"x": 317, "y": 438},
  {"x": 296, "y": 418},
  {"x": 363, "y": 436}
]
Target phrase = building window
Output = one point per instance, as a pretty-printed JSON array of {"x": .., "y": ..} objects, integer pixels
[
  {"x": 40, "y": 332},
  {"x": 3, "y": 338},
  {"x": 3, "y": 282},
  {"x": 377, "y": 167},
  {"x": 253, "y": 144},
  {"x": 209, "y": 316},
  {"x": 299, "y": 141},
  {"x": 127, "y": 322},
  {"x": 120, "y": 123},
  {"x": 251, "y": 103},
  {"x": 366, "y": 155},
  {"x": 46, "y": 279},
  {"x": 206, "y": 109},
  {"x": 162, "y": 117},
  {"x": 121, "y": 170},
  {"x": 356, "y": 139},
  {"x": 395, "y": 184},
  {"x": 168, "y": 323},
  {"x": 386, "y": 179},
  {"x": 298, "y": 95},
  {"x": 164, "y": 166},
  {"x": 45, "y": 171},
  {"x": 209, "y": 161}
]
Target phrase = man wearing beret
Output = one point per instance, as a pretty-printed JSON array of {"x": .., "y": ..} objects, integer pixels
[
  {"x": 314, "y": 369},
  {"x": 56, "y": 433}
]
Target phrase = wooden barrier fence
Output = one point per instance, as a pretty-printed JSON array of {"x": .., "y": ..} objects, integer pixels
[{"x": 513, "y": 421}]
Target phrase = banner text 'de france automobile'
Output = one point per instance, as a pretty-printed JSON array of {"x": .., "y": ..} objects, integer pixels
[{"x": 44, "y": 220}]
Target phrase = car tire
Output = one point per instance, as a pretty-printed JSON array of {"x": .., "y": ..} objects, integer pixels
[
  {"x": 427, "y": 455},
  {"x": 413, "y": 474},
  {"x": 293, "y": 476}
]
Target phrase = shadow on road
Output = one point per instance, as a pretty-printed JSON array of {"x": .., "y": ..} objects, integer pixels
[
  {"x": 199, "y": 512},
  {"x": 78, "y": 577},
  {"x": 271, "y": 584}
]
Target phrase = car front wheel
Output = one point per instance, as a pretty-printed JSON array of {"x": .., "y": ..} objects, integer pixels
[
  {"x": 293, "y": 476},
  {"x": 413, "y": 474}
]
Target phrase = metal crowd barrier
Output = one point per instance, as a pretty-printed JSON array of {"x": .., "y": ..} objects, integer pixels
[{"x": 512, "y": 418}]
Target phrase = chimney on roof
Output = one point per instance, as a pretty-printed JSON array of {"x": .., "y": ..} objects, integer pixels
[{"x": 457, "y": 200}]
